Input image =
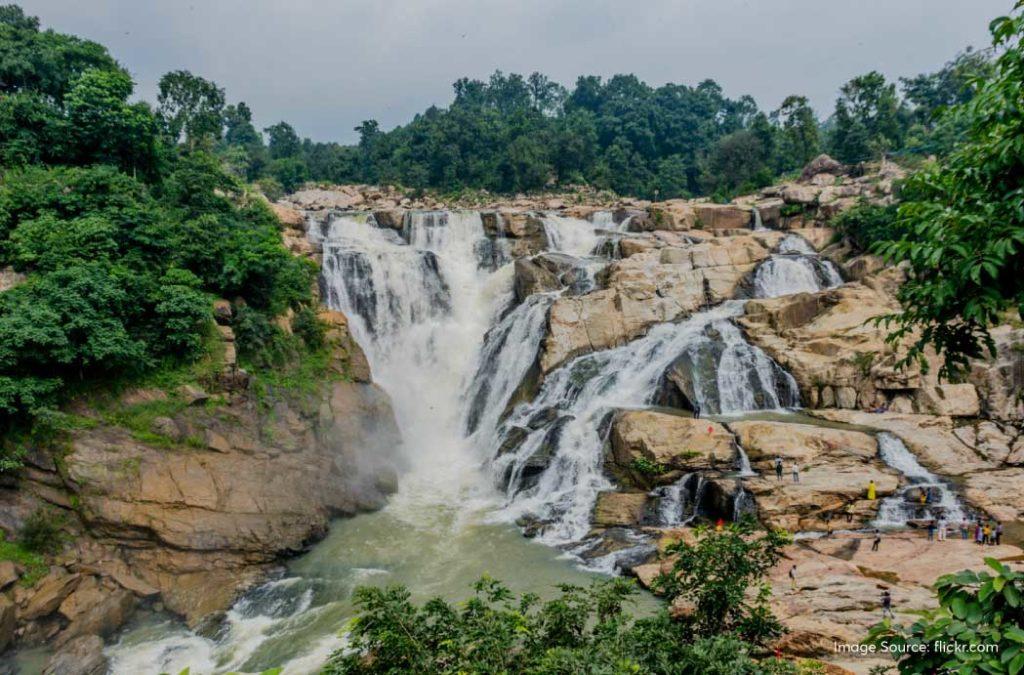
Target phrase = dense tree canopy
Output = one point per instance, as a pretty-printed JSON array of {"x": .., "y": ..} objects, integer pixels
[
  {"x": 962, "y": 218},
  {"x": 123, "y": 235}
]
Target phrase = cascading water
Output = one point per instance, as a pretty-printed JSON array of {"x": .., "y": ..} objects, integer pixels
[
  {"x": 795, "y": 268},
  {"x": 570, "y": 235},
  {"x": 679, "y": 503},
  {"x": 905, "y": 504},
  {"x": 420, "y": 304},
  {"x": 430, "y": 307},
  {"x": 561, "y": 428}
]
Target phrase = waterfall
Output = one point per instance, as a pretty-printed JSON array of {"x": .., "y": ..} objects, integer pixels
[
  {"x": 570, "y": 235},
  {"x": 419, "y": 304},
  {"x": 904, "y": 505},
  {"x": 795, "y": 268},
  {"x": 509, "y": 351},
  {"x": 746, "y": 471},
  {"x": 560, "y": 431},
  {"x": 679, "y": 503},
  {"x": 758, "y": 223}
]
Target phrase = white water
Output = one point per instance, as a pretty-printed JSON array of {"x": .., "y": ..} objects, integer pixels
[
  {"x": 897, "y": 509},
  {"x": 678, "y": 503},
  {"x": 570, "y": 235},
  {"x": 795, "y": 268},
  {"x": 566, "y": 418}
]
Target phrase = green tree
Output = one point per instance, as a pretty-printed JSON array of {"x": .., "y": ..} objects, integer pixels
[
  {"x": 963, "y": 220},
  {"x": 715, "y": 575},
  {"x": 799, "y": 141},
  {"x": 190, "y": 107},
  {"x": 869, "y": 119},
  {"x": 980, "y": 622}
]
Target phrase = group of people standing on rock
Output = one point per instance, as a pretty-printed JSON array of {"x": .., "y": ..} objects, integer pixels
[{"x": 778, "y": 470}]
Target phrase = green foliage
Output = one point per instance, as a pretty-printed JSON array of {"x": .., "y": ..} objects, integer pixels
[
  {"x": 647, "y": 467},
  {"x": 963, "y": 221},
  {"x": 33, "y": 563},
  {"x": 42, "y": 532},
  {"x": 307, "y": 326},
  {"x": 190, "y": 107},
  {"x": 124, "y": 235},
  {"x": 979, "y": 612},
  {"x": 716, "y": 573},
  {"x": 869, "y": 119},
  {"x": 869, "y": 226},
  {"x": 583, "y": 630}
]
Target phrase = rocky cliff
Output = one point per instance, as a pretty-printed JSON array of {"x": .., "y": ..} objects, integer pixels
[{"x": 183, "y": 496}]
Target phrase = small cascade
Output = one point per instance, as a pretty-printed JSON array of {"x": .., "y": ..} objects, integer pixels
[
  {"x": 509, "y": 351},
  {"x": 758, "y": 223},
  {"x": 742, "y": 503},
  {"x": 746, "y": 471},
  {"x": 905, "y": 504},
  {"x": 570, "y": 235},
  {"x": 558, "y": 434},
  {"x": 679, "y": 503},
  {"x": 725, "y": 374},
  {"x": 795, "y": 268}
]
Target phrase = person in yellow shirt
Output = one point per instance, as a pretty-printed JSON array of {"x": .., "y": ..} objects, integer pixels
[{"x": 871, "y": 490}]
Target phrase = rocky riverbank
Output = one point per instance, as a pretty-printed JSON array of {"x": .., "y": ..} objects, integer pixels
[{"x": 182, "y": 497}]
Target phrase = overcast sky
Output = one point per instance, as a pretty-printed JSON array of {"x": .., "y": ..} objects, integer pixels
[{"x": 325, "y": 65}]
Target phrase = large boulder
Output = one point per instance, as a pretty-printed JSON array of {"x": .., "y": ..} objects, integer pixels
[
  {"x": 625, "y": 509},
  {"x": 958, "y": 400},
  {"x": 1000, "y": 379},
  {"x": 673, "y": 443},
  {"x": 710, "y": 216},
  {"x": 830, "y": 344},
  {"x": 822, "y": 164},
  {"x": 834, "y": 466},
  {"x": 81, "y": 656}
]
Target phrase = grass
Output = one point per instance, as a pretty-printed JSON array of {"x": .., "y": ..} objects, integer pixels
[{"x": 34, "y": 564}]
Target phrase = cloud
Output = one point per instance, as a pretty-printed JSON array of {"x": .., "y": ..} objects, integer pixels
[{"x": 326, "y": 66}]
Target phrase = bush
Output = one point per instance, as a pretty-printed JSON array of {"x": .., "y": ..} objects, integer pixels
[
  {"x": 976, "y": 610},
  {"x": 868, "y": 226},
  {"x": 583, "y": 630},
  {"x": 43, "y": 532},
  {"x": 307, "y": 326}
]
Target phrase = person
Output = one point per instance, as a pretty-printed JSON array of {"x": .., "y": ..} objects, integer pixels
[
  {"x": 849, "y": 512},
  {"x": 924, "y": 497},
  {"x": 778, "y": 468},
  {"x": 931, "y": 530},
  {"x": 965, "y": 529},
  {"x": 792, "y": 577},
  {"x": 986, "y": 532},
  {"x": 998, "y": 534},
  {"x": 871, "y": 490},
  {"x": 942, "y": 529},
  {"x": 887, "y": 604},
  {"x": 877, "y": 541},
  {"x": 796, "y": 474},
  {"x": 696, "y": 411},
  {"x": 978, "y": 534}
]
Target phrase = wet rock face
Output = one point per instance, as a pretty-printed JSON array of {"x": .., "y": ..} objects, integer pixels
[
  {"x": 266, "y": 487},
  {"x": 649, "y": 287}
]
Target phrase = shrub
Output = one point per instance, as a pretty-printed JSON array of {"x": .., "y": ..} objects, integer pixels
[
  {"x": 867, "y": 226},
  {"x": 42, "y": 532},
  {"x": 977, "y": 610}
]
